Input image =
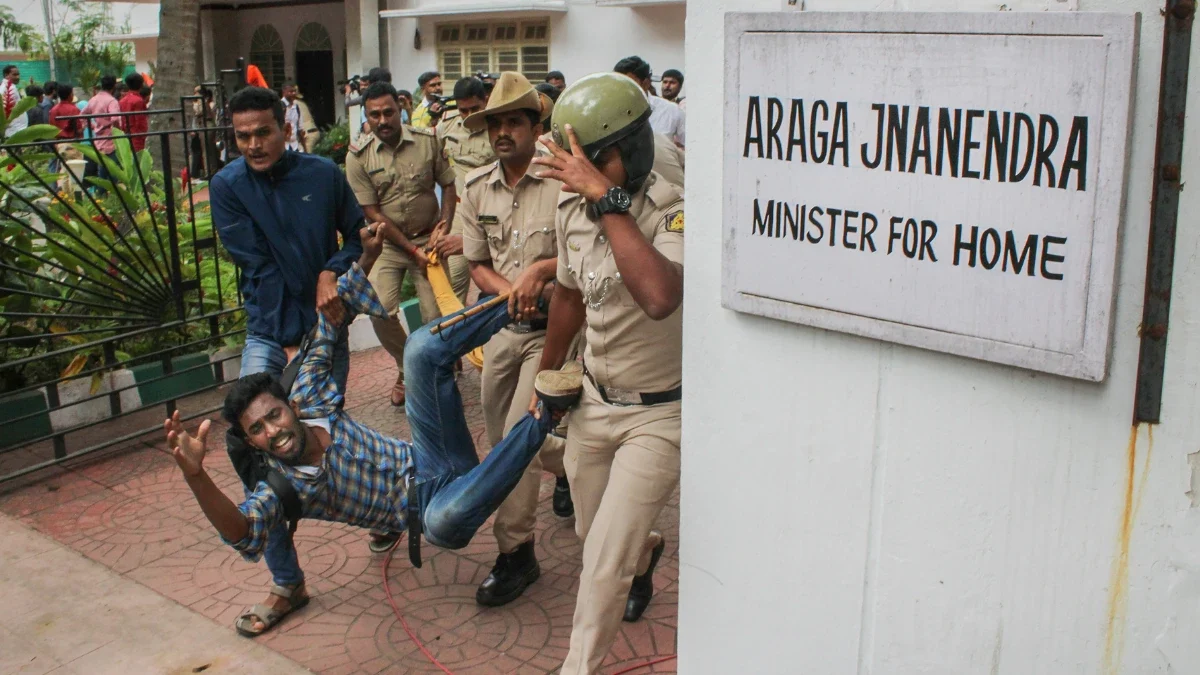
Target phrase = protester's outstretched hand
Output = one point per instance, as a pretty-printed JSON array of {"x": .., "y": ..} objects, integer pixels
[{"x": 187, "y": 449}]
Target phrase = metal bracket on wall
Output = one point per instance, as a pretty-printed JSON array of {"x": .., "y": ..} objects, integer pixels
[{"x": 1164, "y": 214}]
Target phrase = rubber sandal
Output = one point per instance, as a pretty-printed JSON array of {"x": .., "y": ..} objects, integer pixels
[{"x": 268, "y": 615}]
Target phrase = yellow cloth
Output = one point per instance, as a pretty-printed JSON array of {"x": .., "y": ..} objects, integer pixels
[{"x": 447, "y": 300}]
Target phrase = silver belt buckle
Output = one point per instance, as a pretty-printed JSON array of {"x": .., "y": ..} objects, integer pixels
[
  {"x": 521, "y": 327},
  {"x": 622, "y": 396}
]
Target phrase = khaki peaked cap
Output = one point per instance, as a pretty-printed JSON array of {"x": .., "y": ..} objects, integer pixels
[{"x": 512, "y": 92}]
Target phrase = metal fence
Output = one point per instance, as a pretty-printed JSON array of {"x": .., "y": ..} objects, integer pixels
[{"x": 116, "y": 298}]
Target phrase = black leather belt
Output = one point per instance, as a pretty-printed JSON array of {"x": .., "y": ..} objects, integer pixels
[
  {"x": 623, "y": 397},
  {"x": 413, "y": 520},
  {"x": 531, "y": 326}
]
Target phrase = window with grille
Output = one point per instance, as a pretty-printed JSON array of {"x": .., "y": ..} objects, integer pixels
[
  {"x": 266, "y": 52},
  {"x": 465, "y": 49}
]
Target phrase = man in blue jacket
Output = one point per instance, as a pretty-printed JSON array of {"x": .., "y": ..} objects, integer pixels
[{"x": 279, "y": 214}]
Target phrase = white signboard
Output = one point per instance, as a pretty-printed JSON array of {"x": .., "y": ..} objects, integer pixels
[{"x": 948, "y": 181}]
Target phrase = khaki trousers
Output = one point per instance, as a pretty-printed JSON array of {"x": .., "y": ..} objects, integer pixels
[
  {"x": 387, "y": 277},
  {"x": 623, "y": 464},
  {"x": 458, "y": 268},
  {"x": 510, "y": 365}
]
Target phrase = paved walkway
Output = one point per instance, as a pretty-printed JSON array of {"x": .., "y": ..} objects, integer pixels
[
  {"x": 67, "y": 615},
  {"x": 131, "y": 512}
]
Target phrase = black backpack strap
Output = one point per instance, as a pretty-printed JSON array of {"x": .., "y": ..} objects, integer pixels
[{"x": 288, "y": 498}]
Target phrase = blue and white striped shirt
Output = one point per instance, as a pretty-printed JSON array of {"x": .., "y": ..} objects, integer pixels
[{"x": 361, "y": 477}]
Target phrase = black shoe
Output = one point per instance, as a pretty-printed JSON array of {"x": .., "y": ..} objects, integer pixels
[
  {"x": 563, "y": 506},
  {"x": 643, "y": 587},
  {"x": 513, "y": 573},
  {"x": 560, "y": 389}
]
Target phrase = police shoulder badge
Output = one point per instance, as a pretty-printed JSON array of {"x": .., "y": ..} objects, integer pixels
[{"x": 674, "y": 221}]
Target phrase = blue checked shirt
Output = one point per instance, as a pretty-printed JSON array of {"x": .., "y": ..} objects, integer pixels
[{"x": 361, "y": 477}]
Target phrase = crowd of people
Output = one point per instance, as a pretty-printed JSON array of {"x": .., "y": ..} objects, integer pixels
[
  {"x": 79, "y": 115},
  {"x": 566, "y": 211}
]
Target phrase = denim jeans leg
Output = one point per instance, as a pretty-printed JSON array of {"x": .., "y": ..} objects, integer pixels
[
  {"x": 440, "y": 436},
  {"x": 454, "y": 513},
  {"x": 263, "y": 355}
]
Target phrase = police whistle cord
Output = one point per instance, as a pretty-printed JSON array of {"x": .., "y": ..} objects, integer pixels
[
  {"x": 412, "y": 635},
  {"x": 499, "y": 299}
]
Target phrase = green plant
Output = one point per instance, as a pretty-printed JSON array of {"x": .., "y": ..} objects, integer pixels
[
  {"x": 100, "y": 255},
  {"x": 334, "y": 143},
  {"x": 81, "y": 56},
  {"x": 24, "y": 36}
]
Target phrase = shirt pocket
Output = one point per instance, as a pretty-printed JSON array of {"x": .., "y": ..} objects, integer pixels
[
  {"x": 382, "y": 182},
  {"x": 540, "y": 241},
  {"x": 495, "y": 235},
  {"x": 415, "y": 179}
]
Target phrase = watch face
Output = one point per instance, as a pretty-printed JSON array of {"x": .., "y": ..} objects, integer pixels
[{"x": 620, "y": 198}]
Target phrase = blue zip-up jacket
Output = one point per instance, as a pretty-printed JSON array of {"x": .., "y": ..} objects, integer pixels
[{"x": 281, "y": 228}]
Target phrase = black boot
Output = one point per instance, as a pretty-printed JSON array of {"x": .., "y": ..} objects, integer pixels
[
  {"x": 513, "y": 573},
  {"x": 643, "y": 587},
  {"x": 563, "y": 506}
]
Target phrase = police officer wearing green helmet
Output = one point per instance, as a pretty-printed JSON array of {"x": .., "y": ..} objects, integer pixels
[{"x": 620, "y": 268}]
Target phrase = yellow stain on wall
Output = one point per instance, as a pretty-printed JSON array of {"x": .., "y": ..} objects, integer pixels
[{"x": 1118, "y": 587}]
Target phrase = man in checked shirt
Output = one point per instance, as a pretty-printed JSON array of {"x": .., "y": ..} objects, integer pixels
[{"x": 346, "y": 472}]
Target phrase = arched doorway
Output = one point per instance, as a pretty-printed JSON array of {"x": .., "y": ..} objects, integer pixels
[
  {"x": 266, "y": 52},
  {"x": 314, "y": 71}
]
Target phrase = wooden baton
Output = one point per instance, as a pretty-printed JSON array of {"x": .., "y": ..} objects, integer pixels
[{"x": 499, "y": 299}]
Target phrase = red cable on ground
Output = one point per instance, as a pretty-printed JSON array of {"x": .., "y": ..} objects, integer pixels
[{"x": 387, "y": 588}]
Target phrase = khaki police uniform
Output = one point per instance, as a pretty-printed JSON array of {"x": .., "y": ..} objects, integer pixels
[
  {"x": 668, "y": 160},
  {"x": 513, "y": 228},
  {"x": 400, "y": 181},
  {"x": 465, "y": 151},
  {"x": 622, "y": 455}
]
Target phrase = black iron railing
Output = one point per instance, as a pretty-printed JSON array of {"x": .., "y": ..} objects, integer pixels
[{"x": 116, "y": 298}]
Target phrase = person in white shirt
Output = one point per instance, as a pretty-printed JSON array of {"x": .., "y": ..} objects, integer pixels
[
  {"x": 10, "y": 94},
  {"x": 672, "y": 83},
  {"x": 292, "y": 116},
  {"x": 665, "y": 117}
]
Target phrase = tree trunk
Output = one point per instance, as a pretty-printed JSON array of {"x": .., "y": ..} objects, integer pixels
[{"x": 179, "y": 26}]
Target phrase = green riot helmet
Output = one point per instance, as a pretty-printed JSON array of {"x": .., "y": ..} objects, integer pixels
[{"x": 608, "y": 109}]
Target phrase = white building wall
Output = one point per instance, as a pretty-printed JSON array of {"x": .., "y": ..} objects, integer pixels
[
  {"x": 852, "y": 506},
  {"x": 585, "y": 39},
  {"x": 288, "y": 20}
]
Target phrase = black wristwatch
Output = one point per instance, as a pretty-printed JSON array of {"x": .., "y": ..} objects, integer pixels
[{"x": 616, "y": 200}]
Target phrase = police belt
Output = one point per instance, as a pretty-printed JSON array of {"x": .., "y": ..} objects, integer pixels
[
  {"x": 531, "y": 326},
  {"x": 622, "y": 397}
]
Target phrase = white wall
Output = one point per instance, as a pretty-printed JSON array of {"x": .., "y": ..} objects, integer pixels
[
  {"x": 585, "y": 39},
  {"x": 288, "y": 20},
  {"x": 851, "y": 506}
]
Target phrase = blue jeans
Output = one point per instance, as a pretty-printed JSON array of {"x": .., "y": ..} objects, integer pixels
[
  {"x": 457, "y": 493},
  {"x": 263, "y": 355}
]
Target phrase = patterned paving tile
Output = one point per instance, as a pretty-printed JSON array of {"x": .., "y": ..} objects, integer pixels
[{"x": 130, "y": 510}]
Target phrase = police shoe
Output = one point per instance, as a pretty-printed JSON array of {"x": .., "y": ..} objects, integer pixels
[
  {"x": 643, "y": 587},
  {"x": 512, "y": 574},
  {"x": 560, "y": 389},
  {"x": 563, "y": 506}
]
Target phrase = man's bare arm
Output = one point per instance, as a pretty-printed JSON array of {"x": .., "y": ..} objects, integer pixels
[{"x": 189, "y": 453}]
